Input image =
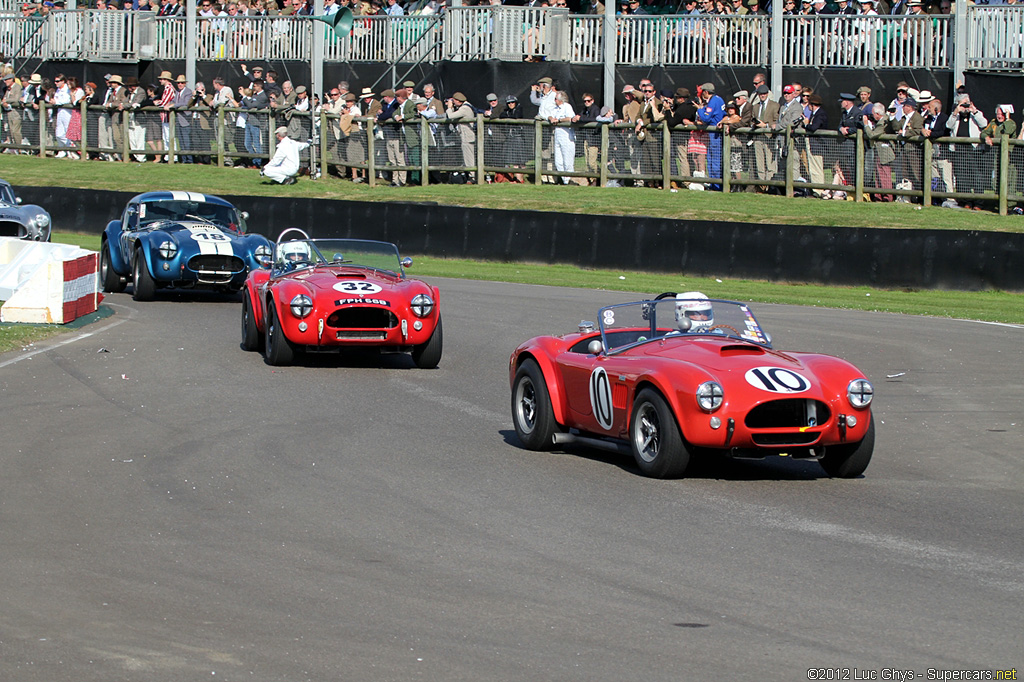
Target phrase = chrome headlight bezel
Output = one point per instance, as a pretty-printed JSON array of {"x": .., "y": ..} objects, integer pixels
[
  {"x": 860, "y": 393},
  {"x": 421, "y": 305},
  {"x": 301, "y": 306},
  {"x": 167, "y": 249},
  {"x": 710, "y": 396}
]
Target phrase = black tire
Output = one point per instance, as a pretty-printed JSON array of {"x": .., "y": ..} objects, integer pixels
[
  {"x": 532, "y": 416},
  {"x": 654, "y": 436},
  {"x": 851, "y": 459},
  {"x": 278, "y": 350},
  {"x": 251, "y": 339},
  {"x": 143, "y": 286},
  {"x": 428, "y": 355},
  {"x": 112, "y": 282}
]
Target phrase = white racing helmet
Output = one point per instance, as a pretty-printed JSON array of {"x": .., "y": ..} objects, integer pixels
[
  {"x": 694, "y": 312},
  {"x": 294, "y": 251}
]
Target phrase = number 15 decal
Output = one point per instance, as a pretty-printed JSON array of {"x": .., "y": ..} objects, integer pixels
[
  {"x": 601, "y": 397},
  {"x": 776, "y": 380}
]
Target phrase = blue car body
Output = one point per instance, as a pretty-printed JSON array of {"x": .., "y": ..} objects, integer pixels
[
  {"x": 183, "y": 240},
  {"x": 23, "y": 221}
]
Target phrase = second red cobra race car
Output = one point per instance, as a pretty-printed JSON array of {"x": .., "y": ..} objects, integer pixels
[
  {"x": 330, "y": 294},
  {"x": 669, "y": 378}
]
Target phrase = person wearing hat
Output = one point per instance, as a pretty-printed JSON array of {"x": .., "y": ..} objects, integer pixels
[
  {"x": 12, "y": 113},
  {"x": 491, "y": 110},
  {"x": 815, "y": 146},
  {"x": 134, "y": 96},
  {"x": 711, "y": 113},
  {"x": 31, "y": 92},
  {"x": 682, "y": 113},
  {"x": 460, "y": 114},
  {"x": 902, "y": 92},
  {"x": 763, "y": 115},
  {"x": 864, "y": 100},
  {"x": 61, "y": 98},
  {"x": 256, "y": 122},
  {"x": 300, "y": 125},
  {"x": 108, "y": 124},
  {"x": 850, "y": 121},
  {"x": 911, "y": 125},
  {"x": 166, "y": 99},
  {"x": 966, "y": 120},
  {"x": 283, "y": 167},
  {"x": 368, "y": 103},
  {"x": 182, "y": 119},
  {"x": 515, "y": 150}
]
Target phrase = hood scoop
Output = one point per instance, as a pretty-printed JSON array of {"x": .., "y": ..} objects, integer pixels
[
  {"x": 348, "y": 274},
  {"x": 740, "y": 349}
]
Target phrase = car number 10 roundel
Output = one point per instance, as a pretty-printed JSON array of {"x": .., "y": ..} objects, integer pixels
[{"x": 777, "y": 380}]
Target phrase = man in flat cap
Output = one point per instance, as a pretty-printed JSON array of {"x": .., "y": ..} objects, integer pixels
[
  {"x": 461, "y": 114},
  {"x": 764, "y": 115},
  {"x": 684, "y": 113},
  {"x": 817, "y": 120},
  {"x": 284, "y": 166},
  {"x": 850, "y": 121}
]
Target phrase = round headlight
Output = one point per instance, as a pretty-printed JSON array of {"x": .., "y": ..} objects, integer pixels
[
  {"x": 302, "y": 306},
  {"x": 168, "y": 249},
  {"x": 421, "y": 305},
  {"x": 860, "y": 392},
  {"x": 42, "y": 220},
  {"x": 710, "y": 396}
]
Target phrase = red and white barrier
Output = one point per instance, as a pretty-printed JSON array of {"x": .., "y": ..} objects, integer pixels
[{"x": 47, "y": 283}]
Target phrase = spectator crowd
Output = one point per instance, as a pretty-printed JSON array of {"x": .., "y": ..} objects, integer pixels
[{"x": 757, "y": 124}]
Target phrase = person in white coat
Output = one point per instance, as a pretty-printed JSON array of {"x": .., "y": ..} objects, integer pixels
[
  {"x": 564, "y": 136},
  {"x": 284, "y": 167}
]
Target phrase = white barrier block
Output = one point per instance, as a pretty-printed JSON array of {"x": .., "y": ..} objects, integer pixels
[{"x": 47, "y": 283}]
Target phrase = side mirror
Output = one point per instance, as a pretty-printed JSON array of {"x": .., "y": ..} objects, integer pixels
[
  {"x": 407, "y": 262},
  {"x": 245, "y": 215},
  {"x": 684, "y": 324},
  {"x": 17, "y": 200},
  {"x": 595, "y": 347}
]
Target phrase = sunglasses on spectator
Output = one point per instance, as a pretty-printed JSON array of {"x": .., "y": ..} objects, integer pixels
[{"x": 587, "y": 101}]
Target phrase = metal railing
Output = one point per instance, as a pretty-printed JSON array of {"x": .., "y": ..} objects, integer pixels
[
  {"x": 994, "y": 40},
  {"x": 422, "y": 151}
]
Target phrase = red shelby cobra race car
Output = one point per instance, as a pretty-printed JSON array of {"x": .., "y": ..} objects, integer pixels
[
  {"x": 329, "y": 294},
  {"x": 681, "y": 374}
]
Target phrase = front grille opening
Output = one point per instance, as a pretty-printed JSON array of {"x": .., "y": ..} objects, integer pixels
[
  {"x": 216, "y": 263},
  {"x": 361, "y": 317},
  {"x": 776, "y": 439},
  {"x": 788, "y": 413},
  {"x": 10, "y": 229}
]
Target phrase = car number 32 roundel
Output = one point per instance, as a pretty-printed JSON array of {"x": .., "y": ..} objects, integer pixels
[
  {"x": 777, "y": 380},
  {"x": 353, "y": 286}
]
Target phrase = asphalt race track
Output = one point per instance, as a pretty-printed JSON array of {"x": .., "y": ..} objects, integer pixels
[{"x": 171, "y": 508}]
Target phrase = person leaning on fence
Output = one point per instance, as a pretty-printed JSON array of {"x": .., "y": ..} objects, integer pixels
[
  {"x": 684, "y": 113},
  {"x": 991, "y": 135},
  {"x": 818, "y": 120},
  {"x": 765, "y": 117},
  {"x": 12, "y": 111},
  {"x": 879, "y": 154},
  {"x": 850, "y": 121},
  {"x": 284, "y": 166},
  {"x": 134, "y": 98},
  {"x": 353, "y": 137},
  {"x": 563, "y": 136},
  {"x": 408, "y": 115},
  {"x": 256, "y": 123},
  {"x": 515, "y": 142},
  {"x": 591, "y": 135},
  {"x": 934, "y": 127},
  {"x": 710, "y": 114},
  {"x": 909, "y": 153},
  {"x": 648, "y": 141}
]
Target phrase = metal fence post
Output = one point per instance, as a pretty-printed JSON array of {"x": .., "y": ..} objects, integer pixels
[
  {"x": 424, "y": 152},
  {"x": 1004, "y": 172},
  {"x": 926, "y": 200},
  {"x": 480, "y": 149},
  {"x": 538, "y": 153},
  {"x": 602, "y": 158},
  {"x": 666, "y": 156},
  {"x": 371, "y": 170},
  {"x": 859, "y": 170},
  {"x": 726, "y": 158}
]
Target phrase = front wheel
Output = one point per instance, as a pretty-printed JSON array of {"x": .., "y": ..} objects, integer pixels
[
  {"x": 279, "y": 350},
  {"x": 654, "y": 437},
  {"x": 850, "y": 459},
  {"x": 427, "y": 355},
  {"x": 532, "y": 416},
  {"x": 112, "y": 282},
  {"x": 143, "y": 287},
  {"x": 250, "y": 334}
]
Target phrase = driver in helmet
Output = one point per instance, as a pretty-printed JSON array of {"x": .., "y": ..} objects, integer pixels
[
  {"x": 295, "y": 252},
  {"x": 694, "y": 312}
]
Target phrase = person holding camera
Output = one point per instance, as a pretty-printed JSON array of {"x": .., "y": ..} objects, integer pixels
[{"x": 966, "y": 120}]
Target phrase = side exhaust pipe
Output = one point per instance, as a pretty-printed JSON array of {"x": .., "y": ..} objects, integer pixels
[{"x": 572, "y": 438}]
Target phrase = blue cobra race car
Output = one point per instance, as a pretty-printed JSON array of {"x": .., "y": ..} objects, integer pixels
[{"x": 182, "y": 240}]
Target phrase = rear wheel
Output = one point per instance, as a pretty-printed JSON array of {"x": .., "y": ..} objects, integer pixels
[
  {"x": 112, "y": 282},
  {"x": 532, "y": 415},
  {"x": 654, "y": 437},
  {"x": 250, "y": 334},
  {"x": 427, "y": 355},
  {"x": 279, "y": 350},
  {"x": 143, "y": 286},
  {"x": 850, "y": 459}
]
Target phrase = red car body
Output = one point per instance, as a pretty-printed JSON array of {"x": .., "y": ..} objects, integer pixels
[
  {"x": 350, "y": 293},
  {"x": 770, "y": 402}
]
